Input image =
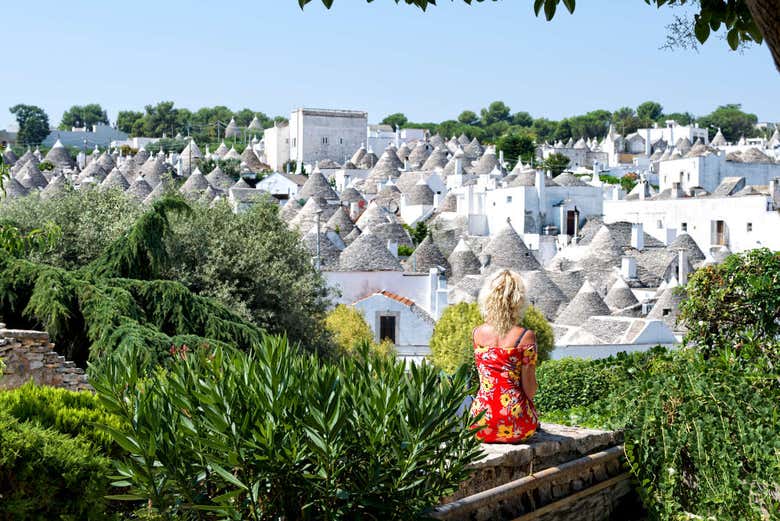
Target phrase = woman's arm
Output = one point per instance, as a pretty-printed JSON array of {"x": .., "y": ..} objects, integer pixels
[{"x": 528, "y": 370}]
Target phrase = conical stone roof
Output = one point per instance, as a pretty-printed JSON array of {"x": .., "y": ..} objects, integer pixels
[
  {"x": 420, "y": 194},
  {"x": 463, "y": 139},
  {"x": 419, "y": 155},
  {"x": 153, "y": 170},
  {"x": 255, "y": 124},
  {"x": 403, "y": 152},
  {"x": 620, "y": 296},
  {"x": 115, "y": 179},
  {"x": 219, "y": 179},
  {"x": 59, "y": 156},
  {"x": 31, "y": 177},
  {"x": 667, "y": 308},
  {"x": 350, "y": 195},
  {"x": 329, "y": 252},
  {"x": 487, "y": 163},
  {"x": 317, "y": 186},
  {"x": 368, "y": 162},
  {"x": 141, "y": 157},
  {"x": 9, "y": 157},
  {"x": 473, "y": 150},
  {"x": 374, "y": 215},
  {"x": 232, "y": 130},
  {"x": 542, "y": 293},
  {"x": 368, "y": 252},
  {"x": 221, "y": 150},
  {"x": 139, "y": 190},
  {"x": 587, "y": 303},
  {"x": 340, "y": 223},
  {"x": 719, "y": 140},
  {"x": 195, "y": 184},
  {"x": 685, "y": 242},
  {"x": 426, "y": 256},
  {"x": 506, "y": 250},
  {"x": 106, "y": 161},
  {"x": 463, "y": 262},
  {"x": 56, "y": 187},
  {"x": 241, "y": 184},
  {"x": 14, "y": 189},
  {"x": 250, "y": 159},
  {"x": 358, "y": 156},
  {"x": 437, "y": 159}
]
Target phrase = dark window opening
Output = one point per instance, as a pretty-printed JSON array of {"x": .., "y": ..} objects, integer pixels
[{"x": 387, "y": 328}]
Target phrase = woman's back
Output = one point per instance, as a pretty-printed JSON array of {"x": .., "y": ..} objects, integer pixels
[{"x": 509, "y": 412}]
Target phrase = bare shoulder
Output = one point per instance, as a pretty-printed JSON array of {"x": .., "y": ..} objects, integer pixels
[{"x": 529, "y": 338}]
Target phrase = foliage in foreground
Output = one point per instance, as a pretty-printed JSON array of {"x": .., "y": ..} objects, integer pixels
[
  {"x": 701, "y": 423},
  {"x": 45, "y": 474},
  {"x": 451, "y": 344},
  {"x": 99, "y": 309},
  {"x": 275, "y": 434}
]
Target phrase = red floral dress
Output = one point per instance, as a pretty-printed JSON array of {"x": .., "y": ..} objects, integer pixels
[{"x": 510, "y": 415}]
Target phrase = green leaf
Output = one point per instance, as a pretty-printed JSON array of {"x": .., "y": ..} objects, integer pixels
[
  {"x": 733, "y": 39},
  {"x": 549, "y": 9},
  {"x": 570, "y": 5},
  {"x": 227, "y": 476},
  {"x": 702, "y": 30}
]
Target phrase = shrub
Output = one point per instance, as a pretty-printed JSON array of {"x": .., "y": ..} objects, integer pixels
[
  {"x": 48, "y": 475},
  {"x": 404, "y": 250},
  {"x": 451, "y": 343},
  {"x": 274, "y": 434},
  {"x": 350, "y": 332},
  {"x": 43, "y": 166},
  {"x": 67, "y": 412}
]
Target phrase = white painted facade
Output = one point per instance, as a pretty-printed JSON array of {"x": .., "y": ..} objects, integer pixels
[
  {"x": 379, "y": 137},
  {"x": 748, "y": 222},
  {"x": 710, "y": 170},
  {"x": 672, "y": 132},
  {"x": 279, "y": 185},
  {"x": 413, "y": 327},
  {"x": 100, "y": 135},
  {"x": 317, "y": 134},
  {"x": 277, "y": 145}
]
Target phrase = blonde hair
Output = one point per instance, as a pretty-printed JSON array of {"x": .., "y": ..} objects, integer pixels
[{"x": 502, "y": 301}]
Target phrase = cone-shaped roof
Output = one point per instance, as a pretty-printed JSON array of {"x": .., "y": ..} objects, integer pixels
[
  {"x": 306, "y": 218},
  {"x": 374, "y": 215},
  {"x": 685, "y": 242},
  {"x": 350, "y": 195},
  {"x": 14, "y": 189},
  {"x": 426, "y": 256},
  {"x": 129, "y": 168},
  {"x": 463, "y": 262},
  {"x": 290, "y": 210},
  {"x": 56, "y": 187},
  {"x": 140, "y": 189},
  {"x": 403, "y": 152},
  {"x": 392, "y": 231},
  {"x": 667, "y": 308},
  {"x": 368, "y": 162},
  {"x": 569, "y": 179},
  {"x": 487, "y": 162},
  {"x": 195, "y": 183},
  {"x": 255, "y": 124},
  {"x": 241, "y": 184},
  {"x": 351, "y": 236},
  {"x": 317, "y": 186},
  {"x": 463, "y": 139},
  {"x": 9, "y": 157},
  {"x": 358, "y": 156},
  {"x": 191, "y": 150},
  {"x": 141, "y": 157},
  {"x": 506, "y": 250},
  {"x": 587, "y": 303},
  {"x": 368, "y": 252},
  {"x": 340, "y": 223},
  {"x": 387, "y": 167},
  {"x": 115, "y": 179},
  {"x": 329, "y": 252},
  {"x": 219, "y": 179},
  {"x": 222, "y": 149},
  {"x": 157, "y": 192},
  {"x": 437, "y": 159},
  {"x": 419, "y": 155},
  {"x": 253, "y": 163},
  {"x": 232, "y": 130},
  {"x": 473, "y": 149},
  {"x": 719, "y": 140},
  {"x": 59, "y": 156},
  {"x": 420, "y": 194},
  {"x": 232, "y": 154},
  {"x": 31, "y": 177},
  {"x": 620, "y": 296},
  {"x": 542, "y": 293}
]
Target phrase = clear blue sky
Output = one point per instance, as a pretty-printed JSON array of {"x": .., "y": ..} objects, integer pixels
[{"x": 269, "y": 55}]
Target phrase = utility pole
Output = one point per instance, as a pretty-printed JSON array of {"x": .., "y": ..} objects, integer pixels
[{"x": 317, "y": 261}]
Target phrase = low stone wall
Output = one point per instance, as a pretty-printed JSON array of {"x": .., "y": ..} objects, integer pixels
[
  {"x": 29, "y": 355},
  {"x": 560, "y": 474}
]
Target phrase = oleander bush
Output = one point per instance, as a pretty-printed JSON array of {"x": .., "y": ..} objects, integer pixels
[
  {"x": 277, "y": 434},
  {"x": 350, "y": 331},
  {"x": 451, "y": 343},
  {"x": 45, "y": 475}
]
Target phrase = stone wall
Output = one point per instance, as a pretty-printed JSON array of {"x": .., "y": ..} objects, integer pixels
[{"x": 29, "y": 355}]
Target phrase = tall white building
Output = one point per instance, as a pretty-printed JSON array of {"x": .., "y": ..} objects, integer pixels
[
  {"x": 319, "y": 134},
  {"x": 277, "y": 145}
]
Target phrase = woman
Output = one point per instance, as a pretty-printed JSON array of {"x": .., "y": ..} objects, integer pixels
[{"x": 505, "y": 354}]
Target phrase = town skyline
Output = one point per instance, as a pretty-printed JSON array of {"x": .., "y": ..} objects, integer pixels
[{"x": 405, "y": 61}]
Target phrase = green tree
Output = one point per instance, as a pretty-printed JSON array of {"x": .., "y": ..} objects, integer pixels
[
  {"x": 161, "y": 119},
  {"x": 744, "y": 21},
  {"x": 397, "y": 120},
  {"x": 650, "y": 111},
  {"x": 544, "y": 129},
  {"x": 33, "y": 124},
  {"x": 522, "y": 119},
  {"x": 517, "y": 145},
  {"x": 127, "y": 120},
  {"x": 733, "y": 122},
  {"x": 625, "y": 120},
  {"x": 495, "y": 112},
  {"x": 451, "y": 343},
  {"x": 682, "y": 118},
  {"x": 556, "y": 163},
  {"x": 468, "y": 117},
  {"x": 80, "y": 116},
  {"x": 351, "y": 333}
]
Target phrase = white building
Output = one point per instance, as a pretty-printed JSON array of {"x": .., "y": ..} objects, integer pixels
[
  {"x": 379, "y": 137},
  {"x": 276, "y": 145},
  {"x": 319, "y": 134},
  {"x": 734, "y": 218},
  {"x": 282, "y": 186},
  {"x": 100, "y": 135},
  {"x": 707, "y": 169}
]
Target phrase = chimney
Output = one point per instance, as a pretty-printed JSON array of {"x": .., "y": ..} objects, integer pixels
[
  {"x": 628, "y": 268},
  {"x": 539, "y": 184},
  {"x": 642, "y": 190},
  {"x": 458, "y": 166},
  {"x": 406, "y": 165},
  {"x": 648, "y": 145},
  {"x": 774, "y": 190},
  {"x": 682, "y": 267},
  {"x": 354, "y": 210},
  {"x": 436, "y": 199},
  {"x": 637, "y": 236},
  {"x": 393, "y": 247},
  {"x": 501, "y": 157}
]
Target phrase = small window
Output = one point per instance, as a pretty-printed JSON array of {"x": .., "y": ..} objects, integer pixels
[
  {"x": 689, "y": 177},
  {"x": 667, "y": 312},
  {"x": 684, "y": 227},
  {"x": 387, "y": 328},
  {"x": 750, "y": 227},
  {"x": 341, "y": 141},
  {"x": 659, "y": 224},
  {"x": 508, "y": 199},
  {"x": 324, "y": 141}
]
